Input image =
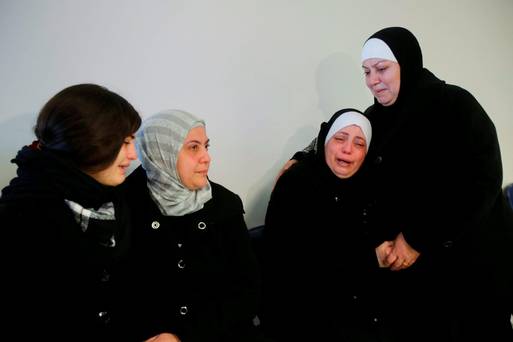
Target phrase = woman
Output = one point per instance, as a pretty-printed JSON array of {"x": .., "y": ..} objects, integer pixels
[
  {"x": 198, "y": 276},
  {"x": 320, "y": 260},
  {"x": 438, "y": 198},
  {"x": 66, "y": 231}
]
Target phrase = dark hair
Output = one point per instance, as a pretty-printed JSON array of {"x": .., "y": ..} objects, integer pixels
[{"x": 88, "y": 124}]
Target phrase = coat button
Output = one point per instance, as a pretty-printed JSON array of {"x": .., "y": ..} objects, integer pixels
[
  {"x": 448, "y": 244},
  {"x": 181, "y": 264},
  {"x": 183, "y": 310},
  {"x": 105, "y": 276},
  {"x": 155, "y": 225},
  {"x": 104, "y": 317},
  {"x": 202, "y": 225},
  {"x": 378, "y": 160}
]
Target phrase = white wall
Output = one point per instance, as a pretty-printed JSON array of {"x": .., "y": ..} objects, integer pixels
[{"x": 262, "y": 73}]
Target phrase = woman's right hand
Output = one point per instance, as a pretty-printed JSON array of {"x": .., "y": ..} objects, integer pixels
[
  {"x": 382, "y": 253},
  {"x": 285, "y": 167},
  {"x": 164, "y": 337}
]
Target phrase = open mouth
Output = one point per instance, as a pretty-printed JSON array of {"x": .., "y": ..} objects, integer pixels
[{"x": 343, "y": 162}]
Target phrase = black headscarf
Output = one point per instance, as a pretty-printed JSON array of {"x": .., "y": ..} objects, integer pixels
[
  {"x": 406, "y": 50},
  {"x": 320, "y": 159},
  {"x": 417, "y": 85}
]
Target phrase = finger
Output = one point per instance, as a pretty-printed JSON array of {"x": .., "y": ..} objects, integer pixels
[{"x": 391, "y": 259}]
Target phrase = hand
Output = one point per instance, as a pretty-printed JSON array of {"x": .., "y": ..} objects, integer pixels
[
  {"x": 402, "y": 255},
  {"x": 164, "y": 337},
  {"x": 383, "y": 251},
  {"x": 285, "y": 167}
]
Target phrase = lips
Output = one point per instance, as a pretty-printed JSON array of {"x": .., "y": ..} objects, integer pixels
[{"x": 343, "y": 162}]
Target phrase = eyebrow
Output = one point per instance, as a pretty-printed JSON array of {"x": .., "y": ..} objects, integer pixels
[
  {"x": 345, "y": 134},
  {"x": 374, "y": 65},
  {"x": 197, "y": 142}
]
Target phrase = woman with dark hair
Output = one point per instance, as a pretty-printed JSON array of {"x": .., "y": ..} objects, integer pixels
[
  {"x": 65, "y": 226},
  {"x": 435, "y": 176}
]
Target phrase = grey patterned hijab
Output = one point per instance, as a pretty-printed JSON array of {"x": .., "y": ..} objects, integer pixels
[{"x": 158, "y": 142}]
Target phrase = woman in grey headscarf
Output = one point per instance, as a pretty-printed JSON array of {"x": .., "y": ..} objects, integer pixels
[{"x": 197, "y": 276}]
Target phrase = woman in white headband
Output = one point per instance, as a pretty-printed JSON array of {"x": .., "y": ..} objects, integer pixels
[
  {"x": 317, "y": 252},
  {"x": 437, "y": 193}
]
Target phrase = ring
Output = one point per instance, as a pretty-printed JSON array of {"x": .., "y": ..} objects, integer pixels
[{"x": 406, "y": 263}]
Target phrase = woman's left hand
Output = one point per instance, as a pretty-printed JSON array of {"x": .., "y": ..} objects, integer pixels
[{"x": 403, "y": 253}]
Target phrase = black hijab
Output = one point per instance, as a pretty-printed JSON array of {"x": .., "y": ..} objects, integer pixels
[
  {"x": 320, "y": 159},
  {"x": 406, "y": 50},
  {"x": 418, "y": 86}
]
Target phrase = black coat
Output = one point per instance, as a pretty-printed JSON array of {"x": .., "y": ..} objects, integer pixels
[
  {"x": 320, "y": 267},
  {"x": 196, "y": 275},
  {"x": 59, "y": 282},
  {"x": 436, "y": 175}
]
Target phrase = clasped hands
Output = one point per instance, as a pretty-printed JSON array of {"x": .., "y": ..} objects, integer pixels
[{"x": 396, "y": 254}]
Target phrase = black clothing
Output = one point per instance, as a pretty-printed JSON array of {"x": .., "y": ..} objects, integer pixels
[
  {"x": 437, "y": 175},
  {"x": 59, "y": 282},
  {"x": 196, "y": 275},
  {"x": 320, "y": 265}
]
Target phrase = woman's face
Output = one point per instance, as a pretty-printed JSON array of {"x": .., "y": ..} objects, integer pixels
[
  {"x": 383, "y": 78},
  {"x": 345, "y": 151},
  {"x": 193, "y": 159},
  {"x": 115, "y": 174}
]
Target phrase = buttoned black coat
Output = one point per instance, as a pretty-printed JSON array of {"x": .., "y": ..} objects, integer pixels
[{"x": 196, "y": 275}]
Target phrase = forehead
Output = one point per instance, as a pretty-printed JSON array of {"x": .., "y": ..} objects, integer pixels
[
  {"x": 373, "y": 62},
  {"x": 197, "y": 133},
  {"x": 352, "y": 130}
]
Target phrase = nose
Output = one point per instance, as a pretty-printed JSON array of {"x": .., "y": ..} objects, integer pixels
[
  {"x": 131, "y": 152},
  {"x": 347, "y": 147},
  {"x": 372, "y": 78},
  {"x": 205, "y": 158}
]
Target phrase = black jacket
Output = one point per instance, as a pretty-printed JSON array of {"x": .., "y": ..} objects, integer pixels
[
  {"x": 59, "y": 282},
  {"x": 196, "y": 275},
  {"x": 320, "y": 266},
  {"x": 436, "y": 174}
]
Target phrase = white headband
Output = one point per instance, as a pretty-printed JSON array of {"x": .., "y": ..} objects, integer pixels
[
  {"x": 348, "y": 119},
  {"x": 376, "y": 48}
]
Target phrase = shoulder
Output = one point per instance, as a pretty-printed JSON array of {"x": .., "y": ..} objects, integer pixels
[
  {"x": 224, "y": 198},
  {"x": 299, "y": 181},
  {"x": 465, "y": 107},
  {"x": 460, "y": 95},
  {"x": 136, "y": 182},
  {"x": 303, "y": 172}
]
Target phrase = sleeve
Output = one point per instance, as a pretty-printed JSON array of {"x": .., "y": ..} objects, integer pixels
[
  {"x": 308, "y": 150},
  {"x": 460, "y": 196},
  {"x": 242, "y": 292},
  {"x": 286, "y": 310}
]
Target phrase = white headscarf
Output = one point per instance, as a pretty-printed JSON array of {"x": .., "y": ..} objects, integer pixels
[
  {"x": 348, "y": 119},
  {"x": 158, "y": 142},
  {"x": 376, "y": 48}
]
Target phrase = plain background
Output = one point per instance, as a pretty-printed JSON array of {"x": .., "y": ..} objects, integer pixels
[{"x": 262, "y": 73}]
